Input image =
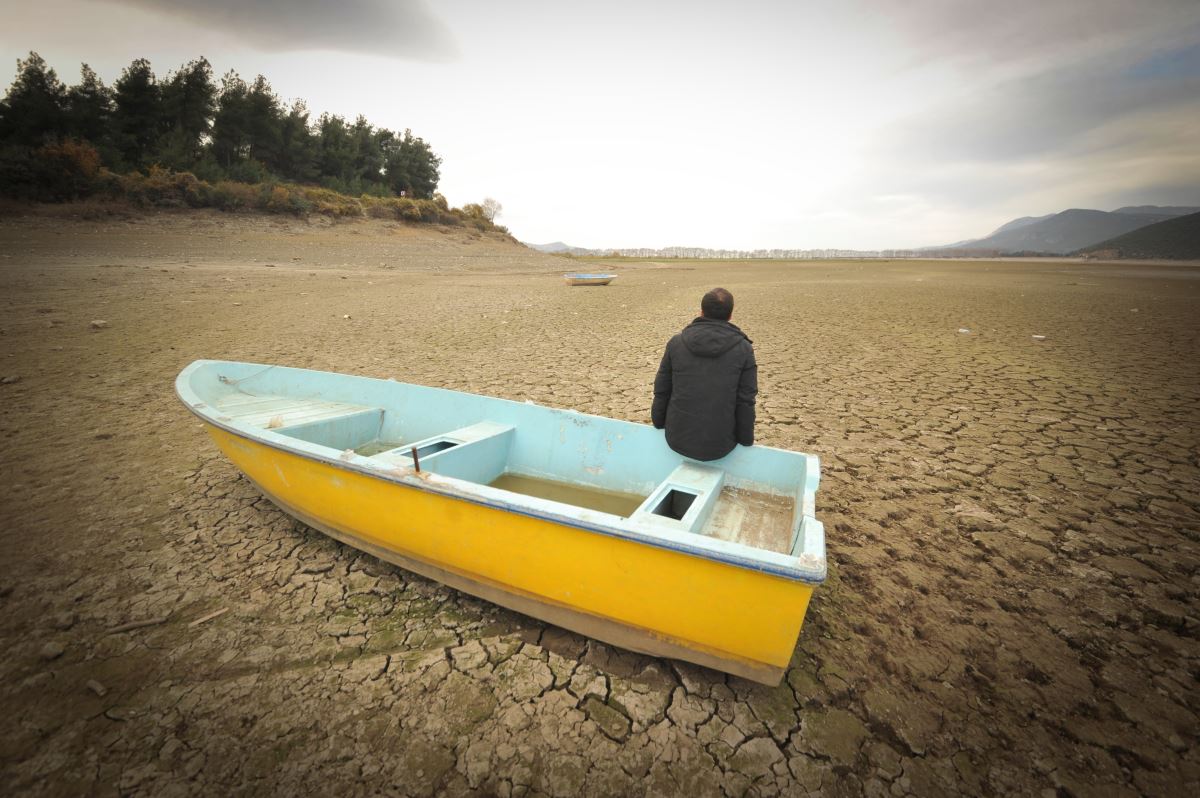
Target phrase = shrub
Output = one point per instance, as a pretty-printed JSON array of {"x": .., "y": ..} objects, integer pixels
[
  {"x": 378, "y": 190},
  {"x": 165, "y": 189},
  {"x": 297, "y": 203},
  {"x": 109, "y": 183},
  {"x": 431, "y": 212},
  {"x": 247, "y": 171},
  {"x": 475, "y": 215},
  {"x": 65, "y": 170},
  {"x": 18, "y": 175},
  {"x": 71, "y": 169},
  {"x": 231, "y": 196},
  {"x": 331, "y": 203},
  {"x": 381, "y": 210},
  {"x": 208, "y": 170},
  {"x": 279, "y": 199},
  {"x": 408, "y": 210},
  {"x": 196, "y": 193}
]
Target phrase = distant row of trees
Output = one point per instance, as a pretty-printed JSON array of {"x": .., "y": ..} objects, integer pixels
[{"x": 233, "y": 130}]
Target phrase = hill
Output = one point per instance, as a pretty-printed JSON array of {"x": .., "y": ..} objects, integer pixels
[
  {"x": 552, "y": 247},
  {"x": 559, "y": 248},
  {"x": 1061, "y": 233},
  {"x": 205, "y": 238},
  {"x": 1159, "y": 210},
  {"x": 1017, "y": 224},
  {"x": 1174, "y": 239}
]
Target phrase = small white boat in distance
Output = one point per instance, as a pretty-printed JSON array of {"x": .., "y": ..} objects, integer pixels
[{"x": 589, "y": 279}]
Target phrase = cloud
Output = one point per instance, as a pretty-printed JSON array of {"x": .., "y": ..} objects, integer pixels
[
  {"x": 1036, "y": 116},
  {"x": 1144, "y": 158},
  {"x": 1042, "y": 109},
  {"x": 394, "y": 28},
  {"x": 1033, "y": 35},
  {"x": 1031, "y": 77}
]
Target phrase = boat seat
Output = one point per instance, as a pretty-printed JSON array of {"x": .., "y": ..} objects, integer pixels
[
  {"x": 280, "y": 412},
  {"x": 684, "y": 500},
  {"x": 476, "y": 453}
]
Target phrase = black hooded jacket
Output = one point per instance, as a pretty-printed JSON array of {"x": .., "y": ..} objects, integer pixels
[{"x": 704, "y": 390}]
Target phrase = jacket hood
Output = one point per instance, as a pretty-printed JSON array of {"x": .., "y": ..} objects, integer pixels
[{"x": 711, "y": 337}]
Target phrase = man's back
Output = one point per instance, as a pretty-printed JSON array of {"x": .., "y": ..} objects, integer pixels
[{"x": 705, "y": 389}]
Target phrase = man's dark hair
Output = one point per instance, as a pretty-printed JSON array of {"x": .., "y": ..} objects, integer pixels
[{"x": 717, "y": 304}]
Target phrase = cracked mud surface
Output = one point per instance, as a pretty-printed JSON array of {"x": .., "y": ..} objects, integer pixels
[{"x": 1013, "y": 527}]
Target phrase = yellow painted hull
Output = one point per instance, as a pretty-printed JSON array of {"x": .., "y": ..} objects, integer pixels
[{"x": 637, "y": 596}]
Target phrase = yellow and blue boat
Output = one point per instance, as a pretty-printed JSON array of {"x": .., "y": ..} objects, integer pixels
[{"x": 589, "y": 523}]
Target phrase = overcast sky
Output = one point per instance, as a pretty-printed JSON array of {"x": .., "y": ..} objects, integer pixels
[{"x": 846, "y": 124}]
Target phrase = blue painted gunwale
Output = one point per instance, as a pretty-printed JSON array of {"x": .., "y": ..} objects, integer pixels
[{"x": 202, "y": 382}]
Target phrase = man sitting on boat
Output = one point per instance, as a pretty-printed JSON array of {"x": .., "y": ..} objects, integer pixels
[{"x": 706, "y": 384}]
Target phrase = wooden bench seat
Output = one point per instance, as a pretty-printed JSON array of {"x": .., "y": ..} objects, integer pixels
[{"x": 276, "y": 412}]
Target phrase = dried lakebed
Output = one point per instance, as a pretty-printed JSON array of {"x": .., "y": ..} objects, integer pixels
[{"x": 1012, "y": 526}]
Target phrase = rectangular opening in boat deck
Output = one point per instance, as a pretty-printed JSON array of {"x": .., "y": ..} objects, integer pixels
[
  {"x": 434, "y": 448},
  {"x": 675, "y": 504},
  {"x": 683, "y": 501},
  {"x": 474, "y": 453}
]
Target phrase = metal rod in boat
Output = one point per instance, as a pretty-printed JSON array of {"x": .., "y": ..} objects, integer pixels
[{"x": 416, "y": 460}]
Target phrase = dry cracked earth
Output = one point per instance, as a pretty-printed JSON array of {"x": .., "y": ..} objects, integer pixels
[{"x": 1013, "y": 526}]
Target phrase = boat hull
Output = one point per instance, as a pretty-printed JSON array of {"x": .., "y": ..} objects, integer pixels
[{"x": 649, "y": 599}]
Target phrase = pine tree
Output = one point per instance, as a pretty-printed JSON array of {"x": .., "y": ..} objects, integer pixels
[
  {"x": 265, "y": 120},
  {"x": 231, "y": 126},
  {"x": 34, "y": 110},
  {"x": 297, "y": 157},
  {"x": 138, "y": 120},
  {"x": 189, "y": 101},
  {"x": 411, "y": 167},
  {"x": 89, "y": 108},
  {"x": 368, "y": 157},
  {"x": 335, "y": 152}
]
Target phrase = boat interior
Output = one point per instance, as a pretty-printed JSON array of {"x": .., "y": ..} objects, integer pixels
[{"x": 528, "y": 452}]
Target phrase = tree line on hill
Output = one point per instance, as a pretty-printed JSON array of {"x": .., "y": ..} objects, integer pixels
[{"x": 232, "y": 131}]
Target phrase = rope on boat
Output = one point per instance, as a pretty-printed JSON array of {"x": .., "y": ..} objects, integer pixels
[{"x": 237, "y": 382}]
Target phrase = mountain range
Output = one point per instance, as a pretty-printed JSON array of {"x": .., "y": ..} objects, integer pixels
[
  {"x": 1074, "y": 231},
  {"x": 559, "y": 248},
  {"x": 1066, "y": 232}
]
